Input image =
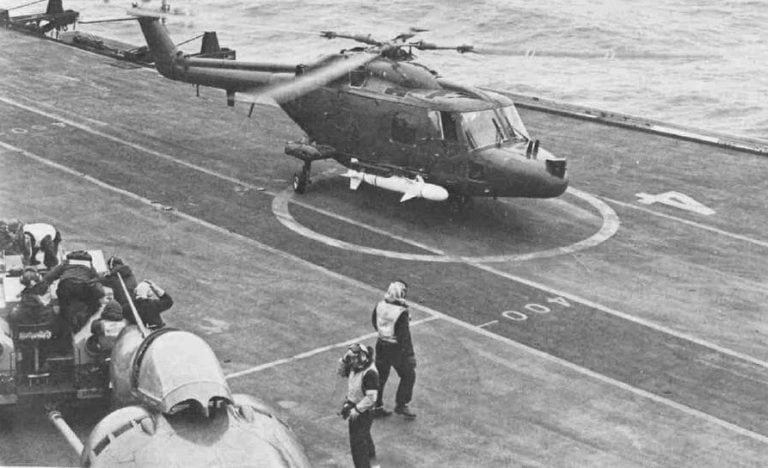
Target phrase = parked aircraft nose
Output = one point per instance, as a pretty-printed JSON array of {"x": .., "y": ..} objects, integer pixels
[{"x": 524, "y": 170}]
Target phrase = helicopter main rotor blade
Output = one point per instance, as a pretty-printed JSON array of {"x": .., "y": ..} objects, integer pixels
[
  {"x": 421, "y": 45},
  {"x": 609, "y": 54},
  {"x": 367, "y": 39},
  {"x": 310, "y": 81}
]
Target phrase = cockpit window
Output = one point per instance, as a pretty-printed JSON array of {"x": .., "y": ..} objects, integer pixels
[
  {"x": 482, "y": 128},
  {"x": 514, "y": 123}
]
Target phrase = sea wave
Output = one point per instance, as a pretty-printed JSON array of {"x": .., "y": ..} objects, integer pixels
[{"x": 692, "y": 62}]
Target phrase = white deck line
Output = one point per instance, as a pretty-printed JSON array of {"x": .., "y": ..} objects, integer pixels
[{"x": 569, "y": 365}]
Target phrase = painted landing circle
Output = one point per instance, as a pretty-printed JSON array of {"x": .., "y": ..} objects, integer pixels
[{"x": 609, "y": 227}]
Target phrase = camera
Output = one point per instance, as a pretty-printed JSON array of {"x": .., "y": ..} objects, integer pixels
[{"x": 346, "y": 409}]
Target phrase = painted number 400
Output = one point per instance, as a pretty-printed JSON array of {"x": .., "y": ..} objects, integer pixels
[{"x": 535, "y": 309}]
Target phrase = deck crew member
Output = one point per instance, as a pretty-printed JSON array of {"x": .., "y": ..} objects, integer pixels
[
  {"x": 107, "y": 328},
  {"x": 116, "y": 266},
  {"x": 36, "y": 237},
  {"x": 362, "y": 386},
  {"x": 79, "y": 290},
  {"x": 150, "y": 301},
  {"x": 394, "y": 348},
  {"x": 34, "y": 305}
]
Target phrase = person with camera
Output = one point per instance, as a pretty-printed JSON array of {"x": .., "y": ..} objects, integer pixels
[{"x": 362, "y": 387}]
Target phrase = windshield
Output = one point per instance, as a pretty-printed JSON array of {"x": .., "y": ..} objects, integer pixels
[
  {"x": 513, "y": 123},
  {"x": 482, "y": 128}
]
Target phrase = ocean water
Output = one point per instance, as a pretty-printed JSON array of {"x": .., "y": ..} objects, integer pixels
[{"x": 699, "y": 63}]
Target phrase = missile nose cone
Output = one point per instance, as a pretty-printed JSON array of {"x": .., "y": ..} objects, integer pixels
[{"x": 434, "y": 192}]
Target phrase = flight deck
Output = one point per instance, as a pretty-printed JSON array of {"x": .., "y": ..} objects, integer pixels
[{"x": 621, "y": 324}]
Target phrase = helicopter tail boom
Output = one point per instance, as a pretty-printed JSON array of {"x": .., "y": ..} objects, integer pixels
[{"x": 160, "y": 44}]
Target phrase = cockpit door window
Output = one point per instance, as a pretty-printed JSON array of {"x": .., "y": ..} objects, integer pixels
[
  {"x": 404, "y": 129},
  {"x": 448, "y": 123}
]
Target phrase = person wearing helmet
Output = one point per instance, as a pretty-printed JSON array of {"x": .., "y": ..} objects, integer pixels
[
  {"x": 34, "y": 305},
  {"x": 394, "y": 348},
  {"x": 358, "y": 367},
  {"x": 150, "y": 301}
]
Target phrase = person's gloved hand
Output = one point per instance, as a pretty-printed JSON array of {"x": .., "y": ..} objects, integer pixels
[
  {"x": 157, "y": 289},
  {"x": 354, "y": 414}
]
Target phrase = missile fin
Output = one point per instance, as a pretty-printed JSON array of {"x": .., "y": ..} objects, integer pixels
[
  {"x": 413, "y": 190},
  {"x": 355, "y": 179}
]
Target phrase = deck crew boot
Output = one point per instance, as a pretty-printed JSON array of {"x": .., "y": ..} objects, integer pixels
[
  {"x": 378, "y": 411},
  {"x": 405, "y": 411}
]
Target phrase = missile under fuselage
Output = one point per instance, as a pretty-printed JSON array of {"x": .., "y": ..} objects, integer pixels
[{"x": 410, "y": 188}]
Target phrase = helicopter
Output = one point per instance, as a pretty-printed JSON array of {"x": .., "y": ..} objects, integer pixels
[{"x": 391, "y": 121}]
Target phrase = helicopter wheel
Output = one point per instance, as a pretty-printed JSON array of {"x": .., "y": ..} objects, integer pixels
[
  {"x": 301, "y": 179},
  {"x": 299, "y": 182}
]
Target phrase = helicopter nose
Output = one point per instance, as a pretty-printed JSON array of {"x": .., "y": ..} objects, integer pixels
[
  {"x": 554, "y": 165},
  {"x": 528, "y": 171}
]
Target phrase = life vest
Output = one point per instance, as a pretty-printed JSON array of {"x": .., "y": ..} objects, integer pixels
[
  {"x": 386, "y": 316},
  {"x": 111, "y": 330},
  {"x": 355, "y": 393}
]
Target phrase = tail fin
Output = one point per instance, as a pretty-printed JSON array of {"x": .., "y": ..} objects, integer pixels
[{"x": 160, "y": 45}]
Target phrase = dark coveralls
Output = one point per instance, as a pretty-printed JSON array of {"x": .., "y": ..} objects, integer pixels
[
  {"x": 112, "y": 281},
  {"x": 79, "y": 292},
  {"x": 31, "y": 310},
  {"x": 149, "y": 310},
  {"x": 398, "y": 354},
  {"x": 360, "y": 441}
]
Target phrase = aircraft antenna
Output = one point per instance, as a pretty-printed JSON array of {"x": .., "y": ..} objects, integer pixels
[
  {"x": 25, "y": 4},
  {"x": 190, "y": 40},
  {"x": 108, "y": 20},
  {"x": 139, "y": 322}
]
